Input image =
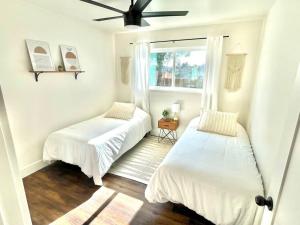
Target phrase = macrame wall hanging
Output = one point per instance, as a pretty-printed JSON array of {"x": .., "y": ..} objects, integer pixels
[
  {"x": 125, "y": 69},
  {"x": 235, "y": 68}
]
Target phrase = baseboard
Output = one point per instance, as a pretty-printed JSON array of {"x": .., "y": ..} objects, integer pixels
[
  {"x": 154, "y": 132},
  {"x": 33, "y": 167}
]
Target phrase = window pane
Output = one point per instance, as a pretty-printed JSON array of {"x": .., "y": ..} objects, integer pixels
[
  {"x": 189, "y": 68},
  {"x": 161, "y": 69}
]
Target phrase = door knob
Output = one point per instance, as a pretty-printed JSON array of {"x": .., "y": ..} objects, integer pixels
[{"x": 261, "y": 201}]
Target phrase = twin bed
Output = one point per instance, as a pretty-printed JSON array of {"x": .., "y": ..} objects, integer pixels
[
  {"x": 95, "y": 144},
  {"x": 214, "y": 175}
]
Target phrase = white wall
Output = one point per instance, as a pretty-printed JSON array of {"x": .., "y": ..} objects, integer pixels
[
  {"x": 57, "y": 100},
  {"x": 277, "y": 70},
  {"x": 244, "y": 37}
]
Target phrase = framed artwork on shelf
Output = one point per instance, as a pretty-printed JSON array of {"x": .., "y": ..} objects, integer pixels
[
  {"x": 70, "y": 58},
  {"x": 40, "y": 55}
]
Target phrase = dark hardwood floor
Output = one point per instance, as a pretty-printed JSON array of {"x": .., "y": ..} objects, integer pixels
[{"x": 60, "y": 187}]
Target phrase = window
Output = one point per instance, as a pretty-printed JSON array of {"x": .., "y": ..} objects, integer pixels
[{"x": 177, "y": 68}]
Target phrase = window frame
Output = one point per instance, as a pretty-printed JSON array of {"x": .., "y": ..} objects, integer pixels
[{"x": 173, "y": 88}]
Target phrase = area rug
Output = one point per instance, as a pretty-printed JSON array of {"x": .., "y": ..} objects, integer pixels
[
  {"x": 105, "y": 207},
  {"x": 140, "y": 162}
]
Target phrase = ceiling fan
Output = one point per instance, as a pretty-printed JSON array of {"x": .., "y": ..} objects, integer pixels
[{"x": 134, "y": 17}]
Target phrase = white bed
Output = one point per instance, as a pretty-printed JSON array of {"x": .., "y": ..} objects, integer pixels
[
  {"x": 95, "y": 144},
  {"x": 214, "y": 175}
]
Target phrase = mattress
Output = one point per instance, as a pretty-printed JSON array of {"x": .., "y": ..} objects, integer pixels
[
  {"x": 95, "y": 144},
  {"x": 214, "y": 175}
]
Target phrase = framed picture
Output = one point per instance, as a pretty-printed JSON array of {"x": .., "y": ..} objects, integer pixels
[
  {"x": 70, "y": 58},
  {"x": 40, "y": 56}
]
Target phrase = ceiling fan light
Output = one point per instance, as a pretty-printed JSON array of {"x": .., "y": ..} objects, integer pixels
[{"x": 132, "y": 27}]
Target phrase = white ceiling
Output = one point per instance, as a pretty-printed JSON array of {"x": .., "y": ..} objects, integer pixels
[{"x": 200, "y": 11}]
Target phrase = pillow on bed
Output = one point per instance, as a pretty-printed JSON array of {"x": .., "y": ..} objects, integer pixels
[
  {"x": 224, "y": 123},
  {"x": 123, "y": 111}
]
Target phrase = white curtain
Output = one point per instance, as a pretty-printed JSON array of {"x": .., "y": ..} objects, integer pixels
[
  {"x": 209, "y": 98},
  {"x": 140, "y": 79}
]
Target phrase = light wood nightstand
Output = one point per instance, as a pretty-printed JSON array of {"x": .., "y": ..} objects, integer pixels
[{"x": 168, "y": 130}]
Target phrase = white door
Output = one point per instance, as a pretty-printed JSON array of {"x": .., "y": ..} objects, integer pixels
[
  {"x": 288, "y": 210},
  {"x": 13, "y": 204},
  {"x": 1, "y": 218},
  {"x": 289, "y": 150}
]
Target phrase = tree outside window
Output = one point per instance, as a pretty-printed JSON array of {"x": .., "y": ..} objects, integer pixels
[{"x": 184, "y": 68}]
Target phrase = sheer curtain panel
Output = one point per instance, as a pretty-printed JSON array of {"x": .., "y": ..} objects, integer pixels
[
  {"x": 140, "y": 79},
  {"x": 209, "y": 98}
]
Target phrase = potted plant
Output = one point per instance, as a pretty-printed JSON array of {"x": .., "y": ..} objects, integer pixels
[
  {"x": 60, "y": 68},
  {"x": 165, "y": 114}
]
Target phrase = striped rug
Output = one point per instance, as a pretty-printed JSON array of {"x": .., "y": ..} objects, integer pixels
[{"x": 140, "y": 162}]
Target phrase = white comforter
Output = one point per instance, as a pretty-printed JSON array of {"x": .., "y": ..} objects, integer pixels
[
  {"x": 95, "y": 144},
  {"x": 214, "y": 175}
]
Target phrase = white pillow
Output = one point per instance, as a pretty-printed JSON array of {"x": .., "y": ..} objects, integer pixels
[
  {"x": 224, "y": 123},
  {"x": 119, "y": 110}
]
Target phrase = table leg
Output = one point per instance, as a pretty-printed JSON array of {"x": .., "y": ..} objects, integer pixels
[{"x": 170, "y": 135}]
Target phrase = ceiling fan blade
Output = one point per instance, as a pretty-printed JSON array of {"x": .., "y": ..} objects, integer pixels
[
  {"x": 140, "y": 5},
  {"x": 164, "y": 13},
  {"x": 109, "y": 18},
  {"x": 144, "y": 23},
  {"x": 103, "y": 6}
]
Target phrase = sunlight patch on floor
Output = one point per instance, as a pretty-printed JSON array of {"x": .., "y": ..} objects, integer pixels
[{"x": 105, "y": 207}]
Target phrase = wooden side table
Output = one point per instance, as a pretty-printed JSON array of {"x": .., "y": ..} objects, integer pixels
[{"x": 168, "y": 130}]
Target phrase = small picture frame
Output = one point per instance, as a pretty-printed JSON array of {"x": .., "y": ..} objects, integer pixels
[
  {"x": 70, "y": 58},
  {"x": 40, "y": 55}
]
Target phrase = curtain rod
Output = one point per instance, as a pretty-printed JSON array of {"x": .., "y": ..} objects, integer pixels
[{"x": 187, "y": 39}]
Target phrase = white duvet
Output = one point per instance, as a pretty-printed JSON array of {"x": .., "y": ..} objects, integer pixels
[
  {"x": 95, "y": 144},
  {"x": 214, "y": 175}
]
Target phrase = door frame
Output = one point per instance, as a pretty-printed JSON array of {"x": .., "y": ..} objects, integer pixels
[
  {"x": 14, "y": 208},
  {"x": 288, "y": 140}
]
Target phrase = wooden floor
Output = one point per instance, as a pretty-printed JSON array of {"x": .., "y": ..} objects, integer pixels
[{"x": 58, "y": 188}]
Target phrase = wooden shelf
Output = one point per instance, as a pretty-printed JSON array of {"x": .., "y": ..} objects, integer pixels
[{"x": 38, "y": 73}]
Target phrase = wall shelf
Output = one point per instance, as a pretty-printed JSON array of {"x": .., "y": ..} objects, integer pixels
[{"x": 38, "y": 73}]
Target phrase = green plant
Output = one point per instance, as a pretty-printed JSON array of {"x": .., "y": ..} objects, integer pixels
[
  {"x": 165, "y": 114},
  {"x": 60, "y": 68}
]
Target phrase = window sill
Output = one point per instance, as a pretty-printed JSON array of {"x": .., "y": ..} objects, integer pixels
[{"x": 176, "y": 89}]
